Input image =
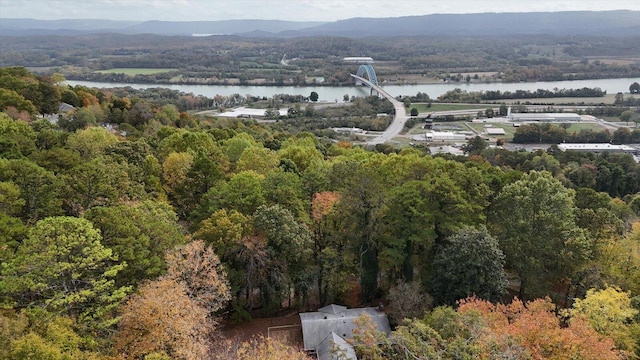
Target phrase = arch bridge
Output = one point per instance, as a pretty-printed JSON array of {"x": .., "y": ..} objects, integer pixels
[{"x": 369, "y": 71}]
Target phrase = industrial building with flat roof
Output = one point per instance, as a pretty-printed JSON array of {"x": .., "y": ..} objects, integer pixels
[
  {"x": 494, "y": 131},
  {"x": 560, "y": 117},
  {"x": 440, "y": 136},
  {"x": 598, "y": 148},
  {"x": 359, "y": 59}
]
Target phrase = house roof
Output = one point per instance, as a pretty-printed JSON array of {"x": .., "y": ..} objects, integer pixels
[
  {"x": 334, "y": 347},
  {"x": 316, "y": 326},
  {"x": 64, "y": 107},
  {"x": 333, "y": 309}
]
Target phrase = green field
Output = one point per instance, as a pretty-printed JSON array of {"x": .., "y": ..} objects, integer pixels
[
  {"x": 585, "y": 126},
  {"x": 135, "y": 71},
  {"x": 423, "y": 107}
]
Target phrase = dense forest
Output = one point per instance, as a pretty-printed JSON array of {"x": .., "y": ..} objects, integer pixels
[{"x": 134, "y": 229}]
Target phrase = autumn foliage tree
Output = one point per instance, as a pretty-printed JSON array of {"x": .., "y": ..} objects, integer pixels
[
  {"x": 536, "y": 328},
  {"x": 610, "y": 313},
  {"x": 163, "y": 319},
  {"x": 479, "y": 329},
  {"x": 261, "y": 348},
  {"x": 198, "y": 269}
]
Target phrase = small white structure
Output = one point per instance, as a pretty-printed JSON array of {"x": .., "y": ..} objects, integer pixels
[
  {"x": 345, "y": 130},
  {"x": 598, "y": 148},
  {"x": 440, "y": 136}
]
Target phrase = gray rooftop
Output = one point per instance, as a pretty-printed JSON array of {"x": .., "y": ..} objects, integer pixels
[
  {"x": 333, "y": 309},
  {"x": 64, "y": 107},
  {"x": 335, "y": 347},
  {"x": 317, "y": 326}
]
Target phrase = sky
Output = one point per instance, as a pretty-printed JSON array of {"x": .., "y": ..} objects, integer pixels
[{"x": 294, "y": 10}]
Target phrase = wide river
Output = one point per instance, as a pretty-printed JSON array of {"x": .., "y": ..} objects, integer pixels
[{"x": 336, "y": 93}]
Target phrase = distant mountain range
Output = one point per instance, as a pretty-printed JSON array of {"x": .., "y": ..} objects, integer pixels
[{"x": 606, "y": 23}]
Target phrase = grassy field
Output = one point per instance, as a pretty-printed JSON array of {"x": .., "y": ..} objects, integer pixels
[
  {"x": 509, "y": 129},
  {"x": 423, "y": 107},
  {"x": 135, "y": 71},
  {"x": 575, "y": 127}
]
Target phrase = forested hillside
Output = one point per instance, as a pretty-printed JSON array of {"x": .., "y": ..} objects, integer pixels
[
  {"x": 131, "y": 228},
  {"x": 299, "y": 61}
]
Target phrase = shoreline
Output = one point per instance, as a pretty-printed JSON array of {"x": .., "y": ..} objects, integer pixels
[{"x": 237, "y": 82}]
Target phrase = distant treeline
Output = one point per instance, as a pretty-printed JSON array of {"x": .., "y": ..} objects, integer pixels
[
  {"x": 542, "y": 93},
  {"x": 459, "y": 95},
  {"x": 546, "y": 133}
]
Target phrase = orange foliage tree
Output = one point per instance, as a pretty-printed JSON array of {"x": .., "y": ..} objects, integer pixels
[
  {"x": 535, "y": 327},
  {"x": 323, "y": 204}
]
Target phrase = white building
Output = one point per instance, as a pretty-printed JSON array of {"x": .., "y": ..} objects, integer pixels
[
  {"x": 598, "y": 148},
  {"x": 359, "y": 59},
  {"x": 243, "y": 112},
  {"x": 440, "y": 136},
  {"x": 351, "y": 130},
  {"x": 548, "y": 117}
]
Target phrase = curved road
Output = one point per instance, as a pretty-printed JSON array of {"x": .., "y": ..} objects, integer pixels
[{"x": 399, "y": 119}]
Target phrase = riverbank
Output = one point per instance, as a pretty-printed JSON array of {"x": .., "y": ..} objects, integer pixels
[
  {"x": 396, "y": 80},
  {"x": 337, "y": 93}
]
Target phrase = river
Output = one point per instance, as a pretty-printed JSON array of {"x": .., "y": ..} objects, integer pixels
[{"x": 336, "y": 93}]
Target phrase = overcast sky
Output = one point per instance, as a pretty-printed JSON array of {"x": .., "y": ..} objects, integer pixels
[{"x": 296, "y": 10}]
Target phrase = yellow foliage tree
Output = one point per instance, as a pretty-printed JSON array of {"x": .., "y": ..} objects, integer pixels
[
  {"x": 609, "y": 312},
  {"x": 162, "y": 318},
  {"x": 175, "y": 168}
]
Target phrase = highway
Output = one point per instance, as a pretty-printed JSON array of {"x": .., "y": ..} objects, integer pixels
[{"x": 399, "y": 119}]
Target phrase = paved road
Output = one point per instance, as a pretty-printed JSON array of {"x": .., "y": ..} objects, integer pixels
[{"x": 399, "y": 119}]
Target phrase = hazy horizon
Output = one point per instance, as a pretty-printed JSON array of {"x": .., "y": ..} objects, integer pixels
[{"x": 292, "y": 10}]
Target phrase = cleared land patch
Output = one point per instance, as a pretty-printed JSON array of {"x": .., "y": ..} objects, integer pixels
[{"x": 622, "y": 60}]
